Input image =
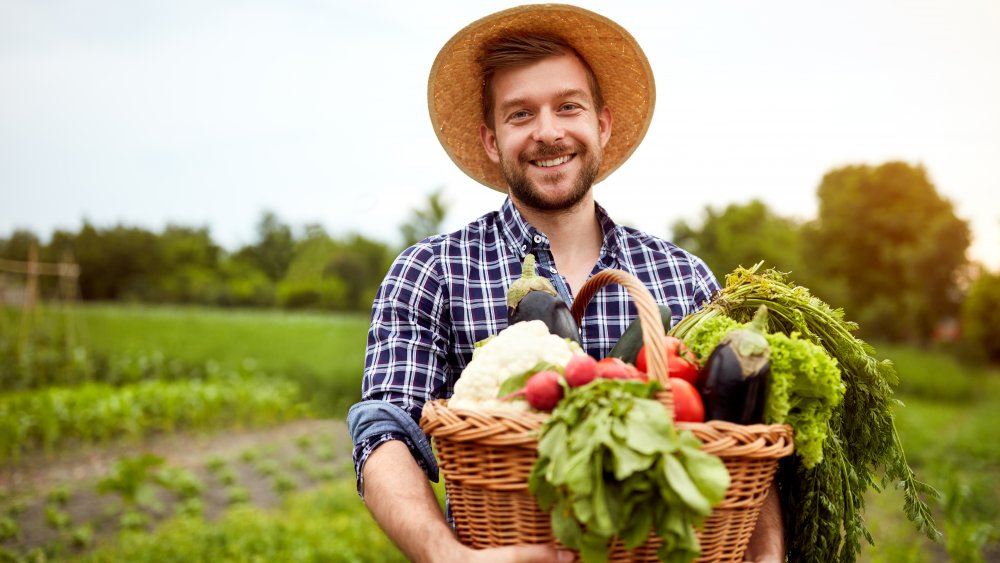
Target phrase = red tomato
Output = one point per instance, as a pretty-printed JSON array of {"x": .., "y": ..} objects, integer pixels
[
  {"x": 681, "y": 361},
  {"x": 688, "y": 406}
]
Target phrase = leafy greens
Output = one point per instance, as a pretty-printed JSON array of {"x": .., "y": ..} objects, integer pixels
[{"x": 611, "y": 463}]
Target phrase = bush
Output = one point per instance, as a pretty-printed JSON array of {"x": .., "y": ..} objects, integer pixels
[{"x": 325, "y": 293}]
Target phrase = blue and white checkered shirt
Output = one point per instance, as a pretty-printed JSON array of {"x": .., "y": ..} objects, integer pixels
[{"x": 448, "y": 292}]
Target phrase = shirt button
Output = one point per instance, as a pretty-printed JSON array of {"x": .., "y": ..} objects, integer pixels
[
  {"x": 537, "y": 239},
  {"x": 553, "y": 270},
  {"x": 524, "y": 247}
]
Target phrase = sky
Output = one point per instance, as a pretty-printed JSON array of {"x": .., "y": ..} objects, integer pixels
[{"x": 205, "y": 114}]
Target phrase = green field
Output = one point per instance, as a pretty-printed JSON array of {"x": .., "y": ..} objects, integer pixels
[
  {"x": 947, "y": 425},
  {"x": 323, "y": 352},
  {"x": 281, "y": 342}
]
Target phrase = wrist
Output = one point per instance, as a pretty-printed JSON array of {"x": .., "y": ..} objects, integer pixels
[{"x": 445, "y": 549}]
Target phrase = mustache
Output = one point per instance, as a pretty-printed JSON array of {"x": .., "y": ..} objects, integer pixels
[{"x": 545, "y": 152}]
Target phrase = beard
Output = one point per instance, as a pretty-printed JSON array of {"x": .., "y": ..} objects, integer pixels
[{"x": 522, "y": 189}]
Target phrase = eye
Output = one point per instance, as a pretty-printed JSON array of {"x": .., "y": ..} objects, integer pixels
[
  {"x": 519, "y": 115},
  {"x": 569, "y": 106}
]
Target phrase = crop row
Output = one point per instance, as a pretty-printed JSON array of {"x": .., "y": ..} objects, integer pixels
[
  {"x": 328, "y": 524},
  {"x": 97, "y": 412}
]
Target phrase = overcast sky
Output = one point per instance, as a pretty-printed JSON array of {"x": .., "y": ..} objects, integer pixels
[{"x": 207, "y": 113}]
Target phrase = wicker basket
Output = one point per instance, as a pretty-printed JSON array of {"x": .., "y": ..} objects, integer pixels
[{"x": 486, "y": 456}]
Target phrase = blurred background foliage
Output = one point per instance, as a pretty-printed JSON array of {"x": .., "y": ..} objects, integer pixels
[{"x": 884, "y": 245}]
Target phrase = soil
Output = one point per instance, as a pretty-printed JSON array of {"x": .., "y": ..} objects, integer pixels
[{"x": 43, "y": 488}]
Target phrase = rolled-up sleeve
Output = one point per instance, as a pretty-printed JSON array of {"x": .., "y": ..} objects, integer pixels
[
  {"x": 404, "y": 359},
  {"x": 373, "y": 423}
]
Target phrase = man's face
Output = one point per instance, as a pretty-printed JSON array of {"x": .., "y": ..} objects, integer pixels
[{"x": 548, "y": 137}]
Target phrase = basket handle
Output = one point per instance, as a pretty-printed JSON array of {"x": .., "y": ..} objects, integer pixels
[{"x": 649, "y": 317}]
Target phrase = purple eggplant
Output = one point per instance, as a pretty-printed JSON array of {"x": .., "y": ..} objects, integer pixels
[
  {"x": 533, "y": 297},
  {"x": 738, "y": 374}
]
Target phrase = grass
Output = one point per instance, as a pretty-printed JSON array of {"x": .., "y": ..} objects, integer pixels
[
  {"x": 323, "y": 352},
  {"x": 947, "y": 425}
]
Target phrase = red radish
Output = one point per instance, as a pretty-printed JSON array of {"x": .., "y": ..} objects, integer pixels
[
  {"x": 612, "y": 368},
  {"x": 543, "y": 390},
  {"x": 580, "y": 370},
  {"x": 616, "y": 368}
]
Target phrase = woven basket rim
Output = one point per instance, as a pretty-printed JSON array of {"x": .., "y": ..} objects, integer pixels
[{"x": 497, "y": 427}]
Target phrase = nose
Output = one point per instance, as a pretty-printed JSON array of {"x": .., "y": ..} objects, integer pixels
[{"x": 547, "y": 130}]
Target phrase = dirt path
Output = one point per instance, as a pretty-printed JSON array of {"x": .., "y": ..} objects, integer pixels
[{"x": 38, "y": 472}]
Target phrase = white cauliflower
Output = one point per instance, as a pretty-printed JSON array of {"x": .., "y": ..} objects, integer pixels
[{"x": 514, "y": 351}]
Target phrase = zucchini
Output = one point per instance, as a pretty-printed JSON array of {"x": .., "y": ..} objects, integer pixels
[{"x": 627, "y": 347}]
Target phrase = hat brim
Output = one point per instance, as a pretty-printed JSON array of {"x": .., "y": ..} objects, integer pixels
[{"x": 454, "y": 91}]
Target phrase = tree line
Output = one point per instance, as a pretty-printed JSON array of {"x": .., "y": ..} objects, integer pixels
[
  {"x": 885, "y": 246},
  {"x": 183, "y": 265}
]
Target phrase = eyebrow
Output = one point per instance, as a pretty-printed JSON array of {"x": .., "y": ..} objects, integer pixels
[{"x": 567, "y": 93}]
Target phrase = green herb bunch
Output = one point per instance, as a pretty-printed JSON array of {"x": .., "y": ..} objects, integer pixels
[
  {"x": 611, "y": 463},
  {"x": 823, "y": 505}
]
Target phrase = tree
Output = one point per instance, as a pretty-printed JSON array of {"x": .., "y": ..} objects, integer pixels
[
  {"x": 742, "y": 235},
  {"x": 891, "y": 246},
  {"x": 427, "y": 221},
  {"x": 274, "y": 249},
  {"x": 341, "y": 274},
  {"x": 18, "y": 245},
  {"x": 360, "y": 264},
  {"x": 118, "y": 263},
  {"x": 980, "y": 313},
  {"x": 191, "y": 266}
]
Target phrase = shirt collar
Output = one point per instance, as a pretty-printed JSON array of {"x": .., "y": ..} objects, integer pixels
[
  {"x": 524, "y": 237},
  {"x": 612, "y": 239}
]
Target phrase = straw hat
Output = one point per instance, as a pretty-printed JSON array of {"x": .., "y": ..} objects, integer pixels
[{"x": 454, "y": 91}]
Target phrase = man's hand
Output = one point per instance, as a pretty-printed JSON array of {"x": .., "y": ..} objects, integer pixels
[
  {"x": 404, "y": 505},
  {"x": 521, "y": 554}
]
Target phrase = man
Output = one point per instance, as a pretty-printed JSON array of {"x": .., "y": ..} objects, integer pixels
[{"x": 539, "y": 102}]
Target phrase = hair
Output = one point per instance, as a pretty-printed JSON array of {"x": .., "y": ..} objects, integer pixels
[{"x": 513, "y": 50}]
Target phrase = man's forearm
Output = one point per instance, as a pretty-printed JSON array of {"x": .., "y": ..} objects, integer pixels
[
  {"x": 767, "y": 543},
  {"x": 403, "y": 503}
]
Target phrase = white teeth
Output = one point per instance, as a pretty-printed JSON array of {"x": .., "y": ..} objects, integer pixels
[{"x": 553, "y": 162}]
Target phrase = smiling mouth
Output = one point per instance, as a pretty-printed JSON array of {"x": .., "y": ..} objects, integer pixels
[{"x": 553, "y": 162}]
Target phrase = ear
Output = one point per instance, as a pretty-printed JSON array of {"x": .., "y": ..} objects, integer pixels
[
  {"x": 604, "y": 125},
  {"x": 489, "y": 140}
]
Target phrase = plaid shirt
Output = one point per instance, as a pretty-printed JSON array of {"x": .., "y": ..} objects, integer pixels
[{"x": 448, "y": 292}]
